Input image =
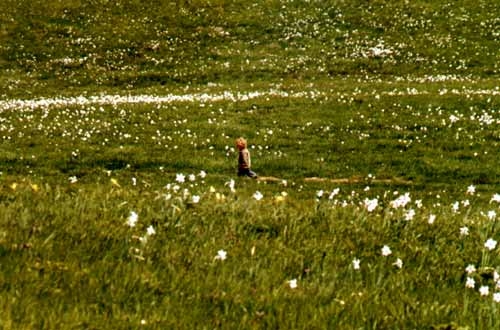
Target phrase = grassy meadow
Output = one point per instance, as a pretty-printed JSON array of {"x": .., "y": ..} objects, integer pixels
[{"x": 374, "y": 127}]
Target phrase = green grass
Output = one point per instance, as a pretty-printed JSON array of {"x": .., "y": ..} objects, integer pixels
[{"x": 341, "y": 128}]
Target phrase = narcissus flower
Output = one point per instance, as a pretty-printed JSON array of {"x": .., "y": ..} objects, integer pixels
[
  {"x": 398, "y": 263},
  {"x": 180, "y": 177},
  {"x": 258, "y": 195},
  {"x": 484, "y": 290},
  {"x": 471, "y": 190},
  {"x": 495, "y": 198},
  {"x": 470, "y": 269},
  {"x": 490, "y": 244},
  {"x": 221, "y": 255},
  {"x": 132, "y": 219},
  {"x": 386, "y": 251},
  {"x": 151, "y": 230},
  {"x": 470, "y": 283}
]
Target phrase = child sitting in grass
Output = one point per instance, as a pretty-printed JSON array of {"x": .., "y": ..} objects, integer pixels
[{"x": 244, "y": 159}]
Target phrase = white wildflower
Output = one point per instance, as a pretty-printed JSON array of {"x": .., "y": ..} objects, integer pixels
[
  {"x": 370, "y": 204},
  {"x": 471, "y": 190},
  {"x": 470, "y": 269},
  {"x": 401, "y": 201},
  {"x": 470, "y": 283},
  {"x": 410, "y": 214},
  {"x": 221, "y": 255},
  {"x": 484, "y": 290},
  {"x": 398, "y": 263},
  {"x": 495, "y": 198},
  {"x": 150, "y": 230},
  {"x": 132, "y": 219},
  {"x": 179, "y": 177},
  {"x": 258, "y": 195},
  {"x": 386, "y": 250},
  {"x": 490, "y": 244}
]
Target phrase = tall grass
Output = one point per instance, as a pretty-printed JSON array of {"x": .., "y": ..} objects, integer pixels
[{"x": 375, "y": 139}]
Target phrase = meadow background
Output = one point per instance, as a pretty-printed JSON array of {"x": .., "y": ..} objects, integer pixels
[{"x": 376, "y": 123}]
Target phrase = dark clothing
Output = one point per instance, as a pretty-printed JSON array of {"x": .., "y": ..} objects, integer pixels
[{"x": 247, "y": 172}]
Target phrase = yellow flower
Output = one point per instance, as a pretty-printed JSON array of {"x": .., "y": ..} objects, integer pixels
[{"x": 114, "y": 182}]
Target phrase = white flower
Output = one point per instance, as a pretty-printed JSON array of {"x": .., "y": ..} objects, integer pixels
[
  {"x": 319, "y": 193},
  {"x": 150, "y": 231},
  {"x": 453, "y": 119},
  {"x": 196, "y": 199},
  {"x": 293, "y": 283},
  {"x": 401, "y": 201},
  {"x": 496, "y": 297},
  {"x": 455, "y": 206},
  {"x": 192, "y": 177},
  {"x": 334, "y": 193},
  {"x": 231, "y": 185},
  {"x": 471, "y": 190},
  {"x": 464, "y": 231},
  {"x": 470, "y": 269},
  {"x": 356, "y": 263},
  {"x": 409, "y": 214},
  {"x": 221, "y": 255},
  {"x": 432, "y": 218},
  {"x": 258, "y": 195},
  {"x": 386, "y": 250},
  {"x": 495, "y": 198},
  {"x": 371, "y": 204},
  {"x": 73, "y": 179},
  {"x": 179, "y": 177},
  {"x": 132, "y": 219},
  {"x": 490, "y": 244},
  {"x": 398, "y": 263},
  {"x": 470, "y": 283},
  {"x": 202, "y": 174},
  {"x": 484, "y": 290},
  {"x": 492, "y": 215}
]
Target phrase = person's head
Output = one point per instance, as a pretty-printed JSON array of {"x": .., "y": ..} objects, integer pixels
[{"x": 241, "y": 143}]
